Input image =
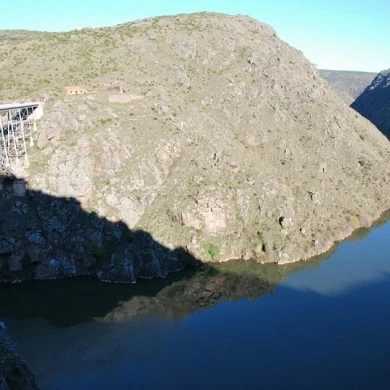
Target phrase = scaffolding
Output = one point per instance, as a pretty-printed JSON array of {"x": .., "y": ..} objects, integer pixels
[{"x": 17, "y": 126}]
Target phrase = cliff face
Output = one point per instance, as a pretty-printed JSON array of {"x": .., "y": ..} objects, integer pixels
[
  {"x": 374, "y": 102},
  {"x": 348, "y": 84},
  {"x": 13, "y": 371},
  {"x": 206, "y": 131},
  {"x": 45, "y": 237}
]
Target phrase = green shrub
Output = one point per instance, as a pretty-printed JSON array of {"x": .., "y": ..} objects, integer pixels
[
  {"x": 212, "y": 250},
  {"x": 105, "y": 121}
]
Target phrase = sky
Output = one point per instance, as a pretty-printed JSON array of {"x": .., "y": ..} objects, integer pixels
[{"x": 333, "y": 34}]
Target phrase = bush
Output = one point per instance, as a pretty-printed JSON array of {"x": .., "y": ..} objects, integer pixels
[{"x": 212, "y": 250}]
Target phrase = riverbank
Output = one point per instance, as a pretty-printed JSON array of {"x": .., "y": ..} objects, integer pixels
[
  {"x": 48, "y": 237},
  {"x": 353, "y": 225}
]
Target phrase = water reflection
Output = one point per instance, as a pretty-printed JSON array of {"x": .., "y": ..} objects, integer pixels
[
  {"x": 70, "y": 302},
  {"x": 289, "y": 339},
  {"x": 325, "y": 326},
  {"x": 361, "y": 259}
]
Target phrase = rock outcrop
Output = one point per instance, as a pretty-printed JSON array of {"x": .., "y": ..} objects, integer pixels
[
  {"x": 238, "y": 148},
  {"x": 44, "y": 237},
  {"x": 374, "y": 102},
  {"x": 14, "y": 373}
]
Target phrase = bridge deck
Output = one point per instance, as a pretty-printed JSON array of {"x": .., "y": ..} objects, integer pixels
[
  {"x": 17, "y": 124},
  {"x": 17, "y": 106}
]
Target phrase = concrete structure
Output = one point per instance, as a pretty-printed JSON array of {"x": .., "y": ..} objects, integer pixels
[{"x": 75, "y": 90}]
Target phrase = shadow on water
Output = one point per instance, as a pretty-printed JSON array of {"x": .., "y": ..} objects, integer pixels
[
  {"x": 48, "y": 237},
  {"x": 43, "y": 227},
  {"x": 288, "y": 339},
  {"x": 73, "y": 301},
  {"x": 70, "y": 302}
]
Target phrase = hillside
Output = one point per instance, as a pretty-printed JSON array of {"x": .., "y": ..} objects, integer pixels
[
  {"x": 10, "y": 36},
  {"x": 348, "y": 84},
  {"x": 374, "y": 102},
  {"x": 225, "y": 142}
]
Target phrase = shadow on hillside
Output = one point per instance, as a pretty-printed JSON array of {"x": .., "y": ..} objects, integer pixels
[
  {"x": 373, "y": 103},
  {"x": 45, "y": 237},
  {"x": 48, "y": 237},
  {"x": 177, "y": 296}
]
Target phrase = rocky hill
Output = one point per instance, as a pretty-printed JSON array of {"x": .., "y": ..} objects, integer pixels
[
  {"x": 205, "y": 130},
  {"x": 374, "y": 102},
  {"x": 47, "y": 237},
  {"x": 348, "y": 84}
]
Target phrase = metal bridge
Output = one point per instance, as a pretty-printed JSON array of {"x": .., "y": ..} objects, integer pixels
[{"x": 17, "y": 125}]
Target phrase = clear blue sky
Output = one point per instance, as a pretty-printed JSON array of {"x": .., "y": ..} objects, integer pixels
[{"x": 343, "y": 34}]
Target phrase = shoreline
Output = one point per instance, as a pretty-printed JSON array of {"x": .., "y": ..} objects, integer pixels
[
  {"x": 328, "y": 247},
  {"x": 365, "y": 223}
]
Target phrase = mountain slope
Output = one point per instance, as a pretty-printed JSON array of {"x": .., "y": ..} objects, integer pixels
[
  {"x": 348, "y": 84},
  {"x": 9, "y": 36},
  {"x": 226, "y": 140},
  {"x": 374, "y": 102}
]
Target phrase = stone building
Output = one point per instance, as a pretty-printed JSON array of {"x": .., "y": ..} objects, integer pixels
[{"x": 75, "y": 90}]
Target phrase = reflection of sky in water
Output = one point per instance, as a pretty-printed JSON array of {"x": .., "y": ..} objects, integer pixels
[{"x": 358, "y": 262}]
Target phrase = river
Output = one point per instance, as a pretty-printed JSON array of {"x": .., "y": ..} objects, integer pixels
[{"x": 320, "y": 324}]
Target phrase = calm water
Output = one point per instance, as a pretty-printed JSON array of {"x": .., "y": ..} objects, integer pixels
[{"x": 322, "y": 325}]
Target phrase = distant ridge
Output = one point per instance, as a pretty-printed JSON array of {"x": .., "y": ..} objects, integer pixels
[
  {"x": 374, "y": 102},
  {"x": 19, "y": 35},
  {"x": 348, "y": 84}
]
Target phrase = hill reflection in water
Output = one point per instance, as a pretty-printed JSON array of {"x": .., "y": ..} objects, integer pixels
[
  {"x": 206, "y": 325},
  {"x": 70, "y": 302}
]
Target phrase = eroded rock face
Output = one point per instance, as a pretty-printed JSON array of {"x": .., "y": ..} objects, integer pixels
[
  {"x": 238, "y": 149},
  {"x": 44, "y": 237},
  {"x": 14, "y": 373},
  {"x": 208, "y": 211},
  {"x": 374, "y": 102}
]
